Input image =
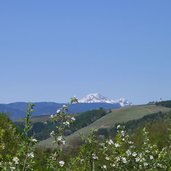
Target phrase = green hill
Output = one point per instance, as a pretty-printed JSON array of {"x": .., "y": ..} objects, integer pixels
[
  {"x": 42, "y": 125},
  {"x": 109, "y": 120}
]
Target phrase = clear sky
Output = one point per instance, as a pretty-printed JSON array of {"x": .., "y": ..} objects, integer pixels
[{"x": 53, "y": 50}]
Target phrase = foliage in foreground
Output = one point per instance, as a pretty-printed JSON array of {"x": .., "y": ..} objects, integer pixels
[{"x": 120, "y": 154}]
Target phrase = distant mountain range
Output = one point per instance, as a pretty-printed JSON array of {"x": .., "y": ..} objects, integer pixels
[{"x": 92, "y": 101}]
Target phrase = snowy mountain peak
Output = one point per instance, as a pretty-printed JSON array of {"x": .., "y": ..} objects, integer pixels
[
  {"x": 98, "y": 98},
  {"x": 94, "y": 98}
]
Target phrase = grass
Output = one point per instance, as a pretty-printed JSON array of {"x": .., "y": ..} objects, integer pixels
[{"x": 109, "y": 120}]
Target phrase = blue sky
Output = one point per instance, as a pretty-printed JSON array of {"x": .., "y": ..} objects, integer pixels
[{"x": 53, "y": 50}]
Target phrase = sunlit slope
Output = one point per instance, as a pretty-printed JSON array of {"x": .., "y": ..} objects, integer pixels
[{"x": 116, "y": 116}]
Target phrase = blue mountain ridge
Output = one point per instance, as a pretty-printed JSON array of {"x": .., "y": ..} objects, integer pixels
[{"x": 18, "y": 110}]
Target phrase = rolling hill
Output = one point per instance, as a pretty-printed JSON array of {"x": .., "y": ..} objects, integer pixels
[{"x": 109, "y": 120}]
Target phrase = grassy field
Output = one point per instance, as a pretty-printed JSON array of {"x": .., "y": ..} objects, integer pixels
[
  {"x": 34, "y": 119},
  {"x": 41, "y": 118},
  {"x": 109, "y": 120}
]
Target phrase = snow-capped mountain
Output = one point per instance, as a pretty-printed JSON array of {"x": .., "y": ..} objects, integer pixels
[{"x": 98, "y": 98}]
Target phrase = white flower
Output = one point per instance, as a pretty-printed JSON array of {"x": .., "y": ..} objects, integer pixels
[
  {"x": 128, "y": 152},
  {"x": 118, "y": 126},
  {"x": 117, "y": 145},
  {"x": 16, "y": 160},
  {"x": 132, "y": 146},
  {"x": 52, "y": 116},
  {"x": 124, "y": 160},
  {"x": 66, "y": 123},
  {"x": 151, "y": 157},
  {"x": 61, "y": 140},
  {"x": 134, "y": 154},
  {"x": 12, "y": 168},
  {"x": 72, "y": 118},
  {"x": 137, "y": 159},
  {"x": 159, "y": 165},
  {"x": 110, "y": 142},
  {"x": 33, "y": 140},
  {"x": 52, "y": 133},
  {"x": 140, "y": 155},
  {"x": 107, "y": 158},
  {"x": 94, "y": 156},
  {"x": 64, "y": 106},
  {"x": 130, "y": 142},
  {"x": 31, "y": 155},
  {"x": 147, "y": 151},
  {"x": 112, "y": 165},
  {"x": 81, "y": 161},
  {"x": 104, "y": 167},
  {"x": 61, "y": 163},
  {"x": 123, "y": 133},
  {"x": 58, "y": 111},
  {"x": 145, "y": 164},
  {"x": 117, "y": 158},
  {"x": 102, "y": 144}
]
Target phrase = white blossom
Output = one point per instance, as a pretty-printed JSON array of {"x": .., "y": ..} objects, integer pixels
[
  {"x": 52, "y": 133},
  {"x": 16, "y": 160},
  {"x": 112, "y": 165},
  {"x": 124, "y": 160},
  {"x": 12, "y": 168},
  {"x": 72, "y": 118},
  {"x": 134, "y": 154},
  {"x": 118, "y": 126},
  {"x": 81, "y": 161},
  {"x": 151, "y": 157},
  {"x": 117, "y": 158},
  {"x": 52, "y": 116},
  {"x": 31, "y": 155},
  {"x": 145, "y": 164},
  {"x": 159, "y": 165},
  {"x": 61, "y": 140},
  {"x": 33, "y": 140},
  {"x": 147, "y": 151},
  {"x": 110, "y": 142},
  {"x": 117, "y": 145},
  {"x": 94, "y": 156},
  {"x": 58, "y": 111},
  {"x": 123, "y": 133},
  {"x": 128, "y": 152},
  {"x": 66, "y": 123},
  {"x": 61, "y": 163},
  {"x": 107, "y": 158},
  {"x": 137, "y": 159},
  {"x": 104, "y": 167}
]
